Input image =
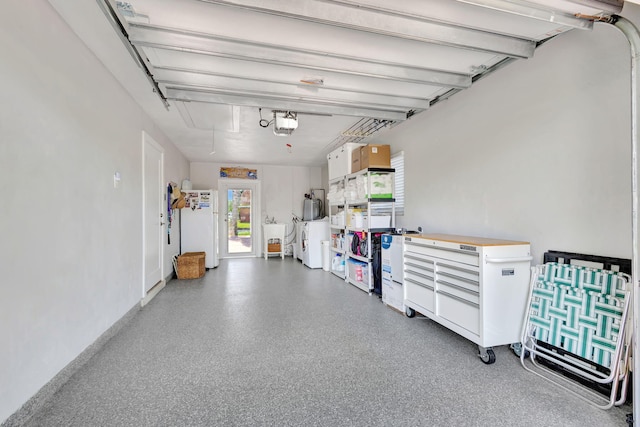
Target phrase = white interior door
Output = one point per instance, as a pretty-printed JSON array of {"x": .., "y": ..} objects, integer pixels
[
  {"x": 154, "y": 213},
  {"x": 239, "y": 218}
]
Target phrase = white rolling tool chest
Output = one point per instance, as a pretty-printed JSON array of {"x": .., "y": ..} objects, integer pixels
[{"x": 477, "y": 287}]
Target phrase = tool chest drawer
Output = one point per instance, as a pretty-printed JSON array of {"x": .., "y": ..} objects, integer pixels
[
  {"x": 420, "y": 293},
  {"x": 441, "y": 252}
]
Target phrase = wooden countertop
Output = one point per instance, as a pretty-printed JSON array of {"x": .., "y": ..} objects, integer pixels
[{"x": 466, "y": 240}]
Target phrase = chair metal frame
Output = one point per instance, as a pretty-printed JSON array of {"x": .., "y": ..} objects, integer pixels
[{"x": 594, "y": 362}]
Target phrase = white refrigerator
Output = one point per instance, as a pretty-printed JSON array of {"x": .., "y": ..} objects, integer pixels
[{"x": 199, "y": 225}]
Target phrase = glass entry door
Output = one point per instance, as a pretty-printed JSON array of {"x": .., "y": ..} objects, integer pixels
[{"x": 239, "y": 223}]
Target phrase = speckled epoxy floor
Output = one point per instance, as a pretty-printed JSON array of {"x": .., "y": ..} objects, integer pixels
[{"x": 273, "y": 343}]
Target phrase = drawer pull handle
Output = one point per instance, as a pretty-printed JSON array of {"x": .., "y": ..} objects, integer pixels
[
  {"x": 416, "y": 258},
  {"x": 505, "y": 260},
  {"x": 457, "y": 298},
  {"x": 455, "y": 267},
  {"x": 410, "y": 264},
  {"x": 422, "y": 285},
  {"x": 462, "y": 279},
  {"x": 424, "y": 276},
  {"x": 438, "y": 248},
  {"x": 461, "y": 288}
]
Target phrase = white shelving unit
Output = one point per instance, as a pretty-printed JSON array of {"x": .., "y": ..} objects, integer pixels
[
  {"x": 364, "y": 191},
  {"x": 337, "y": 227}
]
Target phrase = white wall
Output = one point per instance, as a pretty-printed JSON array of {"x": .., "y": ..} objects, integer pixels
[
  {"x": 324, "y": 177},
  {"x": 283, "y": 187},
  {"x": 71, "y": 243},
  {"x": 539, "y": 151}
]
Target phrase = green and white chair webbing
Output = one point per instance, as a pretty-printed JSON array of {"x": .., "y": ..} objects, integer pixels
[
  {"x": 584, "y": 323},
  {"x": 603, "y": 281}
]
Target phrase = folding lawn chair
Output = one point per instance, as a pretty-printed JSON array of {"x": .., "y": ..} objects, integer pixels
[{"x": 576, "y": 321}]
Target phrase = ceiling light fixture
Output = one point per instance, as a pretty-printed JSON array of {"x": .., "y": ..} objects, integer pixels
[
  {"x": 235, "y": 118},
  {"x": 213, "y": 142}
]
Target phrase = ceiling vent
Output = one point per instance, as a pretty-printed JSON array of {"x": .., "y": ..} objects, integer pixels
[{"x": 284, "y": 122}]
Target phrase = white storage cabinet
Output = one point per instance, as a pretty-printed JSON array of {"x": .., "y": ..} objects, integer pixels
[
  {"x": 477, "y": 287},
  {"x": 339, "y": 160}
]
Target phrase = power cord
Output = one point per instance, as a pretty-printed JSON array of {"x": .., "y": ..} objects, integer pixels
[{"x": 263, "y": 122}]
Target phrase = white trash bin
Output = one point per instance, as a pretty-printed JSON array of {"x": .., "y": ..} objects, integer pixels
[{"x": 326, "y": 255}]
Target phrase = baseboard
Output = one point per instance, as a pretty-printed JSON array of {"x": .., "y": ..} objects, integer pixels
[
  {"x": 22, "y": 415},
  {"x": 156, "y": 289},
  {"x": 153, "y": 292}
]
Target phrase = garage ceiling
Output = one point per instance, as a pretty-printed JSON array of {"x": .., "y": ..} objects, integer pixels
[{"x": 347, "y": 68}]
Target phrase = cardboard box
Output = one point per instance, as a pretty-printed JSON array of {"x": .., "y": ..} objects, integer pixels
[
  {"x": 375, "y": 156},
  {"x": 355, "y": 160},
  {"x": 392, "y": 293}
]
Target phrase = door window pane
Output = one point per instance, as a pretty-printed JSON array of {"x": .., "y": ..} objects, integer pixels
[{"x": 239, "y": 217}]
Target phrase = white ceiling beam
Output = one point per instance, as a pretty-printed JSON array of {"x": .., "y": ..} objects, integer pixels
[
  {"x": 587, "y": 7},
  {"x": 166, "y": 58},
  {"x": 275, "y": 102},
  {"x": 144, "y": 35},
  {"x": 174, "y": 76},
  {"x": 388, "y": 22},
  {"x": 534, "y": 11},
  {"x": 465, "y": 15}
]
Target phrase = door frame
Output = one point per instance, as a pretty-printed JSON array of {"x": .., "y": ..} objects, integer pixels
[
  {"x": 224, "y": 184},
  {"x": 149, "y": 143}
]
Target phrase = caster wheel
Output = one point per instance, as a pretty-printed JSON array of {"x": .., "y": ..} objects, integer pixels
[
  {"x": 488, "y": 357},
  {"x": 517, "y": 350},
  {"x": 410, "y": 312}
]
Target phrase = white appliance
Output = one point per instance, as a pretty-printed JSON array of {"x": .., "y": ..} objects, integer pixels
[
  {"x": 392, "y": 274},
  {"x": 298, "y": 244},
  {"x": 311, "y": 209},
  {"x": 313, "y": 233},
  {"x": 199, "y": 225}
]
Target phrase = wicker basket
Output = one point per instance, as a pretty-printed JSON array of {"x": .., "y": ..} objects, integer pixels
[
  {"x": 190, "y": 265},
  {"x": 273, "y": 247}
]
